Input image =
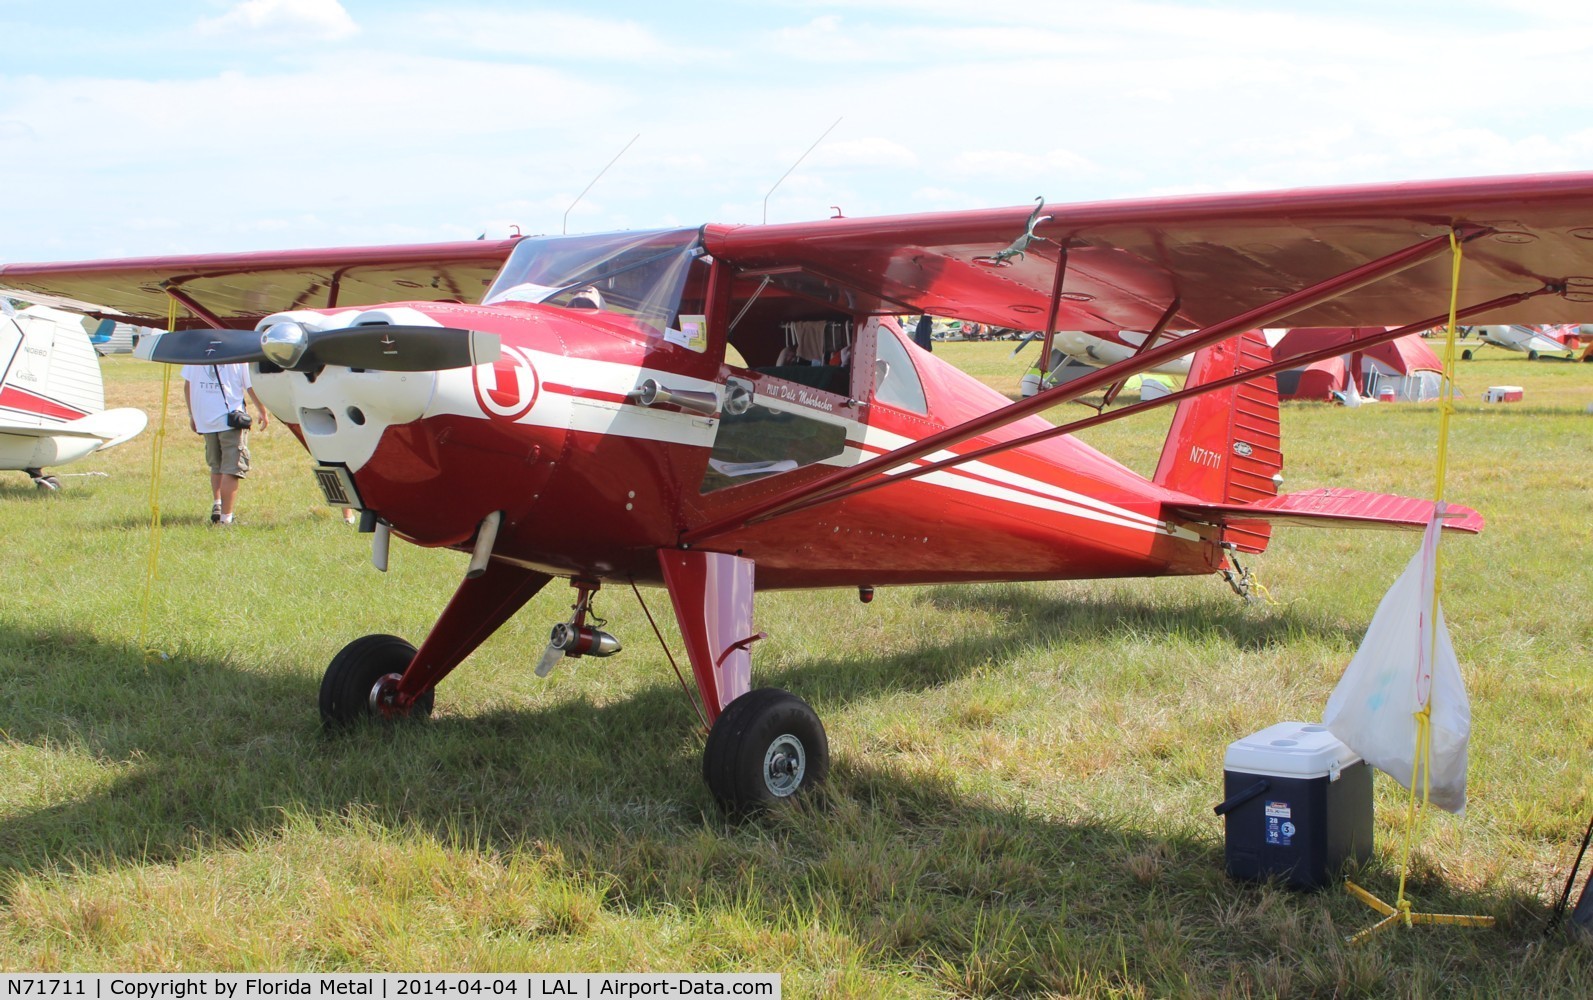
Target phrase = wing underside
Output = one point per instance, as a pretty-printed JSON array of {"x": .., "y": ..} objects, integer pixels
[{"x": 236, "y": 290}]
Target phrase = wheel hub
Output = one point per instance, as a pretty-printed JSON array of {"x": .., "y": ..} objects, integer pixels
[
  {"x": 383, "y": 698},
  {"x": 784, "y": 765}
]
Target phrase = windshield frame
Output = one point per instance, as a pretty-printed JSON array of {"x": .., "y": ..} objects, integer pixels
[{"x": 557, "y": 270}]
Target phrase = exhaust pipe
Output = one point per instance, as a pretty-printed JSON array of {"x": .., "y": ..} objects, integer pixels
[
  {"x": 486, "y": 538},
  {"x": 652, "y": 394}
]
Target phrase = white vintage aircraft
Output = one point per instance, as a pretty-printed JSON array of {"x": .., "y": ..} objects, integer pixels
[
  {"x": 1109, "y": 347},
  {"x": 52, "y": 401},
  {"x": 1523, "y": 339}
]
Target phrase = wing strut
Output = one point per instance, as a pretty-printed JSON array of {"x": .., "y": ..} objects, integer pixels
[
  {"x": 1150, "y": 341},
  {"x": 1260, "y": 316},
  {"x": 188, "y": 303},
  {"x": 1101, "y": 417},
  {"x": 1056, "y": 305}
]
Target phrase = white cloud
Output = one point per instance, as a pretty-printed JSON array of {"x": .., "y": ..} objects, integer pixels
[
  {"x": 317, "y": 20},
  {"x": 436, "y": 120}
]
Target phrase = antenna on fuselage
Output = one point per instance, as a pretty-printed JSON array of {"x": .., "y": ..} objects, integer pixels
[
  {"x": 794, "y": 166},
  {"x": 564, "y": 227}
]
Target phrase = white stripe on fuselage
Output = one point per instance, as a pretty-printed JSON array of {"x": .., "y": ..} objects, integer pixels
[
  {"x": 583, "y": 413},
  {"x": 1013, "y": 487}
]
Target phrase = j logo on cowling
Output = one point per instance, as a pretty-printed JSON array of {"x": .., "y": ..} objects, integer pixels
[{"x": 509, "y": 387}]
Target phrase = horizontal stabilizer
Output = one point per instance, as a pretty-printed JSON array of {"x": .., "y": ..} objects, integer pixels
[
  {"x": 111, "y": 427},
  {"x": 1338, "y": 508}
]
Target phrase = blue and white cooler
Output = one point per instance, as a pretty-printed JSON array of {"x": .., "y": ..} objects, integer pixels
[{"x": 1297, "y": 806}]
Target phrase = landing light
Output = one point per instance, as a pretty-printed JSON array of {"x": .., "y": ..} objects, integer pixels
[{"x": 284, "y": 343}]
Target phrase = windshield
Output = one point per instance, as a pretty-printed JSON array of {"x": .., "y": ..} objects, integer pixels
[{"x": 639, "y": 275}]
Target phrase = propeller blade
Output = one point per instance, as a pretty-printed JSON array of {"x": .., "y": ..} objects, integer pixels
[
  {"x": 388, "y": 348},
  {"x": 201, "y": 347}
]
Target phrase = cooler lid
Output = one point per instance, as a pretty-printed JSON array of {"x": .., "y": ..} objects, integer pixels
[{"x": 1290, "y": 749}]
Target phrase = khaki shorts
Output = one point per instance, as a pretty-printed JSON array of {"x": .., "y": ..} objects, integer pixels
[{"x": 227, "y": 452}]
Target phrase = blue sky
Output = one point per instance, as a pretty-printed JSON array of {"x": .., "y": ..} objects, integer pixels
[{"x": 213, "y": 125}]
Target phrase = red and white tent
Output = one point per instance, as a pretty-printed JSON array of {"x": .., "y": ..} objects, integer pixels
[{"x": 1405, "y": 369}]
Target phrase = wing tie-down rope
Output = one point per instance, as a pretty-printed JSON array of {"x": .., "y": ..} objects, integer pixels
[
  {"x": 157, "y": 461},
  {"x": 1401, "y": 914}
]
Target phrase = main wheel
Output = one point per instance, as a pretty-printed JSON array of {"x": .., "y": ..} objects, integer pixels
[
  {"x": 767, "y": 746},
  {"x": 356, "y": 678},
  {"x": 1465, "y": 355}
]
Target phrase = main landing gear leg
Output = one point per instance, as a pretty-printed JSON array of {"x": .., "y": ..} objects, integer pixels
[
  {"x": 382, "y": 676},
  {"x": 764, "y": 746}
]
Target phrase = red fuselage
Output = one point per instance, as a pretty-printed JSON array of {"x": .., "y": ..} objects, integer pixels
[{"x": 592, "y": 483}]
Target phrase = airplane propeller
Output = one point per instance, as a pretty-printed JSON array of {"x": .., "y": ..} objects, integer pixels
[{"x": 292, "y": 346}]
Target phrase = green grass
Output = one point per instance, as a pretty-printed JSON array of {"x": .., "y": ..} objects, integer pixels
[{"x": 1020, "y": 801}]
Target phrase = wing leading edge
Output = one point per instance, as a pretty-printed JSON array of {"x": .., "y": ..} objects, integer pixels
[{"x": 239, "y": 289}]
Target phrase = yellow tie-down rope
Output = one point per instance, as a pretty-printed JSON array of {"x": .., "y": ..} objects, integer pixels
[
  {"x": 1400, "y": 913},
  {"x": 157, "y": 461}
]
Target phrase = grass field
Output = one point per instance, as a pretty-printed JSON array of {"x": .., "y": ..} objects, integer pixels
[{"x": 1020, "y": 800}]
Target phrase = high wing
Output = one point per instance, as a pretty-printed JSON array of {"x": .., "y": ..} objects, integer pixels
[
  {"x": 1367, "y": 256},
  {"x": 236, "y": 290},
  {"x": 1372, "y": 256},
  {"x": 1128, "y": 262},
  {"x": 1214, "y": 256}
]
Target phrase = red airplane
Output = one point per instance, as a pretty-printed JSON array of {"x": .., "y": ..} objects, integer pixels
[{"x": 725, "y": 408}]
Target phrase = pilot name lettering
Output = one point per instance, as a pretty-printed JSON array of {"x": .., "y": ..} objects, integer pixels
[{"x": 798, "y": 394}]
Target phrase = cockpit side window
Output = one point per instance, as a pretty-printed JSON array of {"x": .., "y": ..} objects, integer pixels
[{"x": 896, "y": 381}]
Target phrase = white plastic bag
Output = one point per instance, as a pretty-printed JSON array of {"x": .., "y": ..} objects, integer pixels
[{"x": 1394, "y": 673}]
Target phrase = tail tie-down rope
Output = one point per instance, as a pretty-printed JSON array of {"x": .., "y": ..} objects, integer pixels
[{"x": 1401, "y": 913}]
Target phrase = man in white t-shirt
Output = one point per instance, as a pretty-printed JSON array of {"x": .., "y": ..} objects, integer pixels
[{"x": 211, "y": 391}]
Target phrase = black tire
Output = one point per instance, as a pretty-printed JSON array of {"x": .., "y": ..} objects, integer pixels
[
  {"x": 353, "y": 673},
  {"x": 1532, "y": 355},
  {"x": 1465, "y": 355},
  {"x": 767, "y": 747},
  {"x": 48, "y": 484}
]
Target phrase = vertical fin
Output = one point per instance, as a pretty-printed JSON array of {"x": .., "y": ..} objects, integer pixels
[
  {"x": 51, "y": 372},
  {"x": 1224, "y": 447}
]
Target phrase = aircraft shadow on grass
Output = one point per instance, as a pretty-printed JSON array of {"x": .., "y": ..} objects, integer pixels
[{"x": 215, "y": 756}]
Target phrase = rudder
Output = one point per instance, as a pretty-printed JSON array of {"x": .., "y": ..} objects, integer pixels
[{"x": 1224, "y": 446}]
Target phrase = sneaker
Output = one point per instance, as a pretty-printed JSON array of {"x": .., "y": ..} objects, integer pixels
[{"x": 215, "y": 512}]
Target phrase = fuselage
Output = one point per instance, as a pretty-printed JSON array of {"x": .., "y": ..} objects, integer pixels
[{"x": 592, "y": 481}]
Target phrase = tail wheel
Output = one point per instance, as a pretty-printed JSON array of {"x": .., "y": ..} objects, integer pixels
[
  {"x": 46, "y": 484},
  {"x": 768, "y": 746},
  {"x": 360, "y": 679}
]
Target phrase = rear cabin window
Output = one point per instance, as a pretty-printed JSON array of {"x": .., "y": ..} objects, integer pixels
[{"x": 896, "y": 381}]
